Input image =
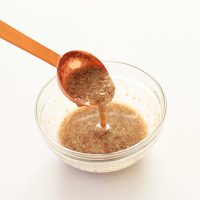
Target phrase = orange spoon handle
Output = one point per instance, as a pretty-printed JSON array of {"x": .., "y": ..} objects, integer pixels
[{"x": 22, "y": 41}]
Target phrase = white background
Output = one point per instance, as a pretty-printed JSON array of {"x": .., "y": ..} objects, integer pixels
[{"x": 162, "y": 37}]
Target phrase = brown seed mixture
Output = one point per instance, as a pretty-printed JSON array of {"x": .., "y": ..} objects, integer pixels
[
  {"x": 91, "y": 85},
  {"x": 80, "y": 132}
]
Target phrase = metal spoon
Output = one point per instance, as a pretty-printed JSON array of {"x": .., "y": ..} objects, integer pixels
[{"x": 65, "y": 64}]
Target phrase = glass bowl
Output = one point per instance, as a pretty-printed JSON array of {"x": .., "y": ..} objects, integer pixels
[{"x": 134, "y": 87}]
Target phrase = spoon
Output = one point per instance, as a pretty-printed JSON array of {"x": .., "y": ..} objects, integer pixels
[{"x": 66, "y": 64}]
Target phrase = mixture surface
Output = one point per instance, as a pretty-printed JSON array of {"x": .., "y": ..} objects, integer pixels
[{"x": 81, "y": 131}]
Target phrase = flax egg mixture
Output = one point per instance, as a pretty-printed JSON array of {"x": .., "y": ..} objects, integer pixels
[
  {"x": 91, "y": 85},
  {"x": 80, "y": 131}
]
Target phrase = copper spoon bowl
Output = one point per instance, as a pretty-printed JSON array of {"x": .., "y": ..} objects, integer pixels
[{"x": 72, "y": 62}]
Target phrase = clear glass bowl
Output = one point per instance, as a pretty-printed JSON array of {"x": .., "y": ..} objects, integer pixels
[{"x": 134, "y": 87}]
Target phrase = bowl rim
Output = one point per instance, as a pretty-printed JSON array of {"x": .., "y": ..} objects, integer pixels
[{"x": 132, "y": 149}]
